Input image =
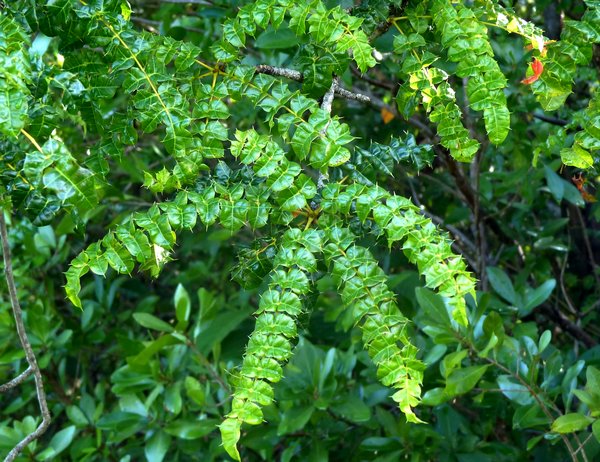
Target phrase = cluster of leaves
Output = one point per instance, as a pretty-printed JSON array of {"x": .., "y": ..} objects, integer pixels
[
  {"x": 162, "y": 148},
  {"x": 326, "y": 27}
]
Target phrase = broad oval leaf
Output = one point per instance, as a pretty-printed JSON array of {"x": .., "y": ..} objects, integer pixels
[{"x": 570, "y": 423}]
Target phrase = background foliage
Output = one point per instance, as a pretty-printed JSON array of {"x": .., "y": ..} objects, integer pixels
[{"x": 171, "y": 169}]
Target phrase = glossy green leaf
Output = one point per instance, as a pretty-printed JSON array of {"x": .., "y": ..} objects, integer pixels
[
  {"x": 14, "y": 91},
  {"x": 530, "y": 416},
  {"x": 152, "y": 322},
  {"x": 59, "y": 442},
  {"x": 183, "y": 305},
  {"x": 157, "y": 447},
  {"x": 353, "y": 409},
  {"x": 194, "y": 390},
  {"x": 570, "y": 423},
  {"x": 596, "y": 430},
  {"x": 276, "y": 39},
  {"x": 230, "y": 434},
  {"x": 463, "y": 380},
  {"x": 514, "y": 390},
  {"x": 538, "y": 296},
  {"x": 576, "y": 156},
  {"x": 295, "y": 419},
  {"x": 191, "y": 429},
  {"x": 502, "y": 284}
]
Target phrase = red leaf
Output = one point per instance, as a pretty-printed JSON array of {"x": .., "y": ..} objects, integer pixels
[{"x": 537, "y": 67}]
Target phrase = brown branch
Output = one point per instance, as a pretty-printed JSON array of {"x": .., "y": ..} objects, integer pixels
[
  {"x": 480, "y": 237},
  {"x": 569, "y": 326},
  {"x": 298, "y": 77},
  {"x": 328, "y": 98},
  {"x": 326, "y": 105},
  {"x": 29, "y": 354},
  {"x": 19, "y": 379}
]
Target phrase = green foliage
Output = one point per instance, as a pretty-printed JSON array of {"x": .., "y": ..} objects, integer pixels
[
  {"x": 16, "y": 76},
  {"x": 269, "y": 345},
  {"x": 586, "y": 141},
  {"x": 158, "y": 157},
  {"x": 362, "y": 286},
  {"x": 467, "y": 43},
  {"x": 326, "y": 27}
]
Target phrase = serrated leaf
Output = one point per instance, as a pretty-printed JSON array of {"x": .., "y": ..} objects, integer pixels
[
  {"x": 576, "y": 156},
  {"x": 230, "y": 435}
]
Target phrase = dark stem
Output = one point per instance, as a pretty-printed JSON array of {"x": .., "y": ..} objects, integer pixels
[
  {"x": 480, "y": 237},
  {"x": 550, "y": 120},
  {"x": 568, "y": 326}
]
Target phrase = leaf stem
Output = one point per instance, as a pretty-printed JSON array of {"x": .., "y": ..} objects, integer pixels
[{"x": 32, "y": 140}]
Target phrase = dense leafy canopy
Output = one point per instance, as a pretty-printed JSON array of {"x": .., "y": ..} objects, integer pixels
[{"x": 280, "y": 230}]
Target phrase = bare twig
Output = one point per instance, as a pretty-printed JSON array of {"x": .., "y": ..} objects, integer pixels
[
  {"x": 351, "y": 95},
  {"x": 326, "y": 105},
  {"x": 582, "y": 445},
  {"x": 298, "y": 77},
  {"x": 572, "y": 328},
  {"x": 17, "y": 380},
  {"x": 29, "y": 354},
  {"x": 561, "y": 279},
  {"x": 280, "y": 72},
  {"x": 206, "y": 363},
  {"x": 328, "y": 97}
]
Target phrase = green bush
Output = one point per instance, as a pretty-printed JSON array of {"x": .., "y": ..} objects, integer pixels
[{"x": 280, "y": 230}]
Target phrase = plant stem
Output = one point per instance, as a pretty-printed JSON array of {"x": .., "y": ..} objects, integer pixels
[
  {"x": 17, "y": 380},
  {"x": 29, "y": 354},
  {"x": 298, "y": 77}
]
